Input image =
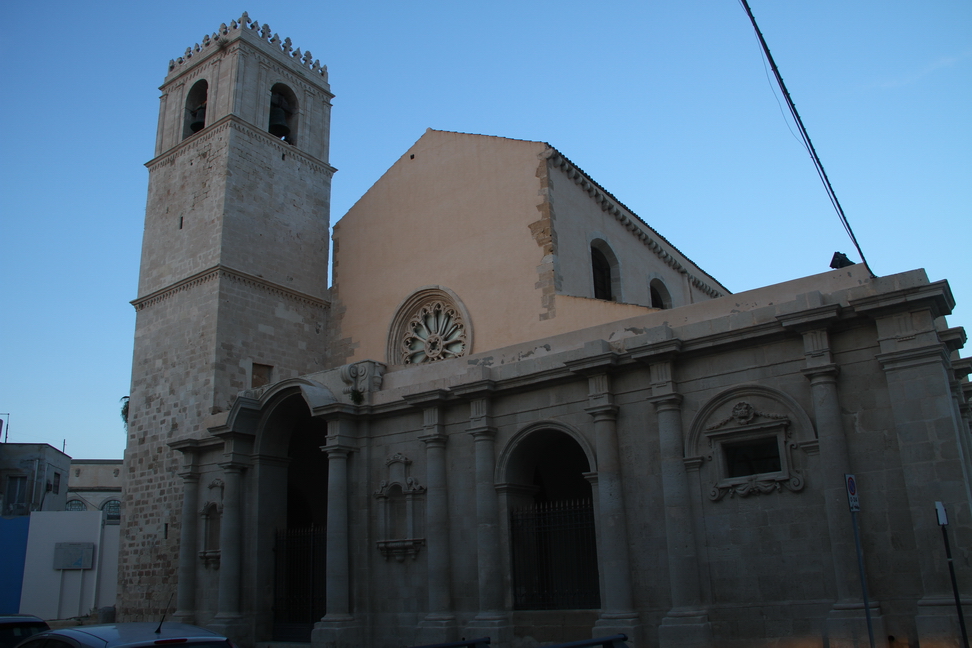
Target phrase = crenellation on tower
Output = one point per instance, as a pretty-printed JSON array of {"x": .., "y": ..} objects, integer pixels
[{"x": 263, "y": 32}]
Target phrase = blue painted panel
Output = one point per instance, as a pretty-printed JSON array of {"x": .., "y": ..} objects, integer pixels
[{"x": 13, "y": 548}]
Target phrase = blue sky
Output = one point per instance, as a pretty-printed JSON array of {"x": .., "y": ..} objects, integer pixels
[{"x": 667, "y": 105}]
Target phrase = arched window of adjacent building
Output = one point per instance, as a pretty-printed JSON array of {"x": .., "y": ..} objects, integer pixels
[
  {"x": 283, "y": 113},
  {"x": 75, "y": 505},
  {"x": 195, "y": 117},
  {"x": 429, "y": 326},
  {"x": 112, "y": 509},
  {"x": 660, "y": 297},
  {"x": 604, "y": 267}
]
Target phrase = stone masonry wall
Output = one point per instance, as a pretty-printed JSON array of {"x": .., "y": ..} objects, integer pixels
[{"x": 172, "y": 393}]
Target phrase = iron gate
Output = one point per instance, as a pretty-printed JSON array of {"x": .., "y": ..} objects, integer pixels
[
  {"x": 298, "y": 593},
  {"x": 554, "y": 556}
]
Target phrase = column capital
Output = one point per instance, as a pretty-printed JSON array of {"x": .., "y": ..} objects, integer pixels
[
  {"x": 337, "y": 451},
  {"x": 666, "y": 402},
  {"x": 189, "y": 475},
  {"x": 603, "y": 412},
  {"x": 482, "y": 433},
  {"x": 826, "y": 373},
  {"x": 434, "y": 440},
  {"x": 233, "y": 467}
]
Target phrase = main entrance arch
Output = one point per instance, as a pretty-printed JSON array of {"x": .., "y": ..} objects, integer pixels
[
  {"x": 552, "y": 535},
  {"x": 290, "y": 515}
]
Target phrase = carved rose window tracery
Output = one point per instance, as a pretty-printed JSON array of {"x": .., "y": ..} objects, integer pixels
[
  {"x": 430, "y": 326},
  {"x": 435, "y": 332}
]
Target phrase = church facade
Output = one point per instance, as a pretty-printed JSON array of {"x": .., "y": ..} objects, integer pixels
[{"x": 517, "y": 412}]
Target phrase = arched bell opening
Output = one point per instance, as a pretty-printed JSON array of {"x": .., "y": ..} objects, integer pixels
[
  {"x": 290, "y": 519},
  {"x": 283, "y": 121},
  {"x": 195, "y": 112},
  {"x": 552, "y": 533}
]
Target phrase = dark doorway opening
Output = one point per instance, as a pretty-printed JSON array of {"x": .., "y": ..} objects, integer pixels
[
  {"x": 553, "y": 545},
  {"x": 300, "y": 548}
]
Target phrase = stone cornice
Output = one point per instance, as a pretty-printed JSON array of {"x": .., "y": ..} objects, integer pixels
[
  {"x": 631, "y": 221},
  {"x": 936, "y": 297},
  {"x": 936, "y": 354},
  {"x": 954, "y": 338},
  {"x": 236, "y": 123},
  {"x": 223, "y": 271},
  {"x": 811, "y": 318}
]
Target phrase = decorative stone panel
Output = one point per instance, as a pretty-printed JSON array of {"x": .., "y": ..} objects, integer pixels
[
  {"x": 744, "y": 442},
  {"x": 398, "y": 514}
]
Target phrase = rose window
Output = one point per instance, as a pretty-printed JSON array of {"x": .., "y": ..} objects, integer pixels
[{"x": 436, "y": 332}]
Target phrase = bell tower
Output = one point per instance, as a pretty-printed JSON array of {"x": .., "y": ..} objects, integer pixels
[{"x": 232, "y": 292}]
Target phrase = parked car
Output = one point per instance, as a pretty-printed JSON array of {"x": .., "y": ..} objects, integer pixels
[
  {"x": 14, "y": 628},
  {"x": 128, "y": 635}
]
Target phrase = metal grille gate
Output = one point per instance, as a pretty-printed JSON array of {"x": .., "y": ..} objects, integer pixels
[
  {"x": 299, "y": 581},
  {"x": 554, "y": 556}
]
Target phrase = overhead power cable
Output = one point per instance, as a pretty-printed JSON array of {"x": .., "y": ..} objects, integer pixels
[{"x": 806, "y": 137}]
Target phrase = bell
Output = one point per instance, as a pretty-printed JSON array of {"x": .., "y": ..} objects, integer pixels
[
  {"x": 198, "y": 121},
  {"x": 278, "y": 122}
]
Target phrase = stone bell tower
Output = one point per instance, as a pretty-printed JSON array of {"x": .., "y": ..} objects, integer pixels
[{"x": 232, "y": 292}]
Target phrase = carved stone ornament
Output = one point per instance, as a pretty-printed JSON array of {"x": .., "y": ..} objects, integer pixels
[
  {"x": 362, "y": 377},
  {"x": 746, "y": 424},
  {"x": 398, "y": 511},
  {"x": 436, "y": 332}
]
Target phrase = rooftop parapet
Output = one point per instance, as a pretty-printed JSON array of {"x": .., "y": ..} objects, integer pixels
[{"x": 262, "y": 33}]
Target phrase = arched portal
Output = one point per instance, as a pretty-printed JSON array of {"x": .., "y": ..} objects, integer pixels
[
  {"x": 291, "y": 515},
  {"x": 552, "y": 535}
]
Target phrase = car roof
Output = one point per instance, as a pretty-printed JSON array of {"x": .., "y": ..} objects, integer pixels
[
  {"x": 123, "y": 634},
  {"x": 20, "y": 618}
]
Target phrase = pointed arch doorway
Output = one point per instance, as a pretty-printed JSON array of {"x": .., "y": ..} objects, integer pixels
[{"x": 552, "y": 534}]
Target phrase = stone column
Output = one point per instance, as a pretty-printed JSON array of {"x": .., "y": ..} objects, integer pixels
[
  {"x": 492, "y": 620},
  {"x": 834, "y": 465},
  {"x": 616, "y": 600},
  {"x": 847, "y": 621},
  {"x": 687, "y": 622},
  {"x": 186, "y": 593},
  {"x": 230, "y": 548},
  {"x": 618, "y": 614},
  {"x": 439, "y": 626},
  {"x": 338, "y": 586},
  {"x": 188, "y": 538},
  {"x": 338, "y": 627}
]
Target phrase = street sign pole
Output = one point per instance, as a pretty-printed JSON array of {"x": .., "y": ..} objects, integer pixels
[
  {"x": 854, "y": 502},
  {"x": 943, "y": 522}
]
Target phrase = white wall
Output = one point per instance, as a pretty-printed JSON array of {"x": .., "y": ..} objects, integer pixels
[{"x": 61, "y": 594}]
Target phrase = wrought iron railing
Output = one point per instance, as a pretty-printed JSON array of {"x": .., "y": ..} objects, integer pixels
[
  {"x": 554, "y": 556},
  {"x": 299, "y": 582}
]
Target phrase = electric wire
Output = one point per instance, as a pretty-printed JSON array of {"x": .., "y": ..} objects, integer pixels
[{"x": 818, "y": 165}]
